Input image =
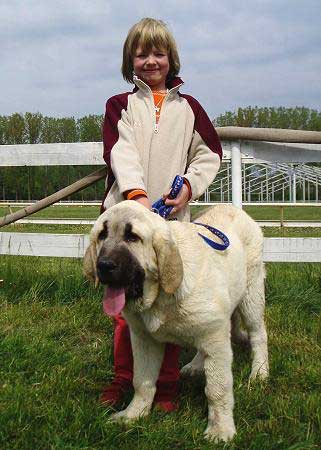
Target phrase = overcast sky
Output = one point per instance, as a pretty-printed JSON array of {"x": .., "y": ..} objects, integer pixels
[{"x": 63, "y": 57}]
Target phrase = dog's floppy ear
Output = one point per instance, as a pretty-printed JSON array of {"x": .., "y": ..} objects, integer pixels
[
  {"x": 89, "y": 264},
  {"x": 170, "y": 266}
]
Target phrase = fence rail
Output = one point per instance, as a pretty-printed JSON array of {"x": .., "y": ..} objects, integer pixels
[
  {"x": 74, "y": 245},
  {"x": 90, "y": 153}
]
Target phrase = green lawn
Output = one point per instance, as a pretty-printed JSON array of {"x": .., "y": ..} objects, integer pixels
[
  {"x": 60, "y": 212},
  {"x": 92, "y": 212},
  {"x": 47, "y": 228},
  {"x": 290, "y": 212},
  {"x": 257, "y": 212},
  {"x": 56, "y": 355},
  {"x": 85, "y": 229}
]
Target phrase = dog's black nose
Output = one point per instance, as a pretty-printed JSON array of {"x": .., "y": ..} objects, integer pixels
[{"x": 105, "y": 267}]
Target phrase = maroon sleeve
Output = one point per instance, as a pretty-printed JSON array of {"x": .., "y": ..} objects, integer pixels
[
  {"x": 114, "y": 107},
  {"x": 204, "y": 126}
]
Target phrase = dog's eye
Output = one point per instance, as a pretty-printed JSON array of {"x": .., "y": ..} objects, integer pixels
[
  {"x": 129, "y": 235},
  {"x": 104, "y": 233}
]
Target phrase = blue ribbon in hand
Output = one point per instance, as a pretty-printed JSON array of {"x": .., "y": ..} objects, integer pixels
[
  {"x": 164, "y": 211},
  {"x": 159, "y": 206}
]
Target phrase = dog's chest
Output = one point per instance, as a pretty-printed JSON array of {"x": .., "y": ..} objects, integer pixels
[
  {"x": 153, "y": 322},
  {"x": 159, "y": 325},
  {"x": 167, "y": 327}
]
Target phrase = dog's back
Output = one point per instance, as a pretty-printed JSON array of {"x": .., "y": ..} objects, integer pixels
[{"x": 228, "y": 218}]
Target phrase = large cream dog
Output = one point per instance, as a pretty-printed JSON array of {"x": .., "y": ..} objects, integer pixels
[{"x": 173, "y": 287}]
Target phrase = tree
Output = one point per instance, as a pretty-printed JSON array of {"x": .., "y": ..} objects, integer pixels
[
  {"x": 33, "y": 127},
  {"x": 15, "y": 129},
  {"x": 90, "y": 128},
  {"x": 67, "y": 130},
  {"x": 3, "y": 129}
]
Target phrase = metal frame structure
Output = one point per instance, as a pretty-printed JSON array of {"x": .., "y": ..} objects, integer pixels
[{"x": 267, "y": 182}]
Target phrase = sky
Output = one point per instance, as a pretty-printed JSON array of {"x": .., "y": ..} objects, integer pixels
[{"x": 62, "y": 57}]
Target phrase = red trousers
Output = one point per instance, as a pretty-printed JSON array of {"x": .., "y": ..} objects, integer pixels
[{"x": 123, "y": 359}]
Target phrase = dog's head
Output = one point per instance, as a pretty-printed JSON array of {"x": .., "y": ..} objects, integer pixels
[{"x": 133, "y": 254}]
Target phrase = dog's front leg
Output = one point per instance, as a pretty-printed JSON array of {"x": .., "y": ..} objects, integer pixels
[
  {"x": 219, "y": 385},
  {"x": 148, "y": 357}
]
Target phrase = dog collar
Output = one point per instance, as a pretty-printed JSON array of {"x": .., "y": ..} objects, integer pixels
[{"x": 164, "y": 211}]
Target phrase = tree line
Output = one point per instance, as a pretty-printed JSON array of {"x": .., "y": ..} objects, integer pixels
[
  {"x": 34, "y": 128},
  {"x": 33, "y": 183},
  {"x": 298, "y": 118}
]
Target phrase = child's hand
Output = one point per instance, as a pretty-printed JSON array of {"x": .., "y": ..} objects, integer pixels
[
  {"x": 144, "y": 201},
  {"x": 179, "y": 202}
]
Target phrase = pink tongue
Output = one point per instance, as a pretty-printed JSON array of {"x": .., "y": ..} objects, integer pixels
[{"x": 113, "y": 301}]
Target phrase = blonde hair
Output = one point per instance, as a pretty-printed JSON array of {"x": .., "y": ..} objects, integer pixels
[{"x": 149, "y": 33}]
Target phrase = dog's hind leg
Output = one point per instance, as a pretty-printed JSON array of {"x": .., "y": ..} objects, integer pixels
[
  {"x": 195, "y": 367},
  {"x": 239, "y": 336},
  {"x": 148, "y": 357},
  {"x": 252, "y": 312}
]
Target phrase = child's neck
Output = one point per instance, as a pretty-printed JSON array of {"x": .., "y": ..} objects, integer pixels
[{"x": 161, "y": 89}]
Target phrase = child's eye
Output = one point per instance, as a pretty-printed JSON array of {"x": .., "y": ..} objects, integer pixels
[{"x": 160, "y": 52}]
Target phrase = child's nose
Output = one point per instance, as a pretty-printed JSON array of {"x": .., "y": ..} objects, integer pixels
[{"x": 151, "y": 59}]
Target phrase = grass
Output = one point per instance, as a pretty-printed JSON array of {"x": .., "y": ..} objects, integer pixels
[
  {"x": 290, "y": 212},
  {"x": 56, "y": 355},
  {"x": 59, "y": 212},
  {"x": 294, "y": 232},
  {"x": 85, "y": 229},
  {"x": 92, "y": 212},
  {"x": 257, "y": 212},
  {"x": 46, "y": 228}
]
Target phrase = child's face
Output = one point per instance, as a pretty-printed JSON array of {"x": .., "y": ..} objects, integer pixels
[{"x": 152, "y": 67}]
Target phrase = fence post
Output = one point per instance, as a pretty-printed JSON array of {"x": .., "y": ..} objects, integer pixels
[
  {"x": 294, "y": 186},
  {"x": 236, "y": 175}
]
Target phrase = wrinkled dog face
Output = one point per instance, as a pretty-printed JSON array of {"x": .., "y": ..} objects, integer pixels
[
  {"x": 117, "y": 266},
  {"x": 131, "y": 248}
]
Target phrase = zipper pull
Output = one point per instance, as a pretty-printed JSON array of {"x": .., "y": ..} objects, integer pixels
[{"x": 156, "y": 128}]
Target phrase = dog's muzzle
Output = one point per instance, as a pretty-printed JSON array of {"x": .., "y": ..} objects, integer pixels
[
  {"x": 118, "y": 268},
  {"x": 106, "y": 269}
]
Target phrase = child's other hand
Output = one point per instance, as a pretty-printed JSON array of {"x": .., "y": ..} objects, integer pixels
[
  {"x": 179, "y": 202},
  {"x": 144, "y": 201}
]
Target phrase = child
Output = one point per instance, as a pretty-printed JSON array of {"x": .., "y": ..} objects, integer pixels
[{"x": 150, "y": 135}]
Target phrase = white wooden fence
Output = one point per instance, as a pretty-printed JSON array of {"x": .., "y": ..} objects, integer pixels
[
  {"x": 74, "y": 245},
  {"x": 60, "y": 245}
]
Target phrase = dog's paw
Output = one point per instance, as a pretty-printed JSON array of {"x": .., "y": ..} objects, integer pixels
[
  {"x": 120, "y": 416},
  {"x": 129, "y": 414},
  {"x": 259, "y": 373},
  {"x": 217, "y": 434}
]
